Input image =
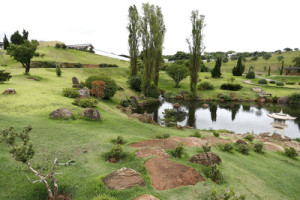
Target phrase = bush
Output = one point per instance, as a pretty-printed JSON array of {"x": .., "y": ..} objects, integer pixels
[
  {"x": 272, "y": 82},
  {"x": 135, "y": 83},
  {"x": 128, "y": 102},
  {"x": 228, "y": 147},
  {"x": 250, "y": 75},
  {"x": 226, "y": 194},
  {"x": 58, "y": 71},
  {"x": 116, "y": 152},
  {"x": 58, "y": 45},
  {"x": 290, "y": 152},
  {"x": 213, "y": 172},
  {"x": 258, "y": 147},
  {"x": 152, "y": 91},
  {"x": 110, "y": 85},
  {"x": 71, "y": 92},
  {"x": 119, "y": 140},
  {"x": 4, "y": 76},
  {"x": 290, "y": 83},
  {"x": 206, "y": 86},
  {"x": 178, "y": 150},
  {"x": 63, "y": 46},
  {"x": 244, "y": 149},
  {"x": 249, "y": 137},
  {"x": 196, "y": 134},
  {"x": 163, "y": 136},
  {"x": 297, "y": 139},
  {"x": 86, "y": 103},
  {"x": 231, "y": 86},
  {"x": 280, "y": 84},
  {"x": 42, "y": 64},
  {"x": 206, "y": 147},
  {"x": 78, "y": 65},
  {"x": 294, "y": 98},
  {"x": 169, "y": 95},
  {"x": 226, "y": 97},
  {"x": 262, "y": 81},
  {"x": 216, "y": 133},
  {"x": 103, "y": 65}
]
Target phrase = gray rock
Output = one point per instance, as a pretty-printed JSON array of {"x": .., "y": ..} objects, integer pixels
[
  {"x": 9, "y": 91},
  {"x": 283, "y": 100},
  {"x": 85, "y": 92},
  {"x": 91, "y": 113},
  {"x": 61, "y": 113},
  {"x": 206, "y": 159},
  {"x": 75, "y": 81}
]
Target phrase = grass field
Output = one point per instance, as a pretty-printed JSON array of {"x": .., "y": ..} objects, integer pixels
[{"x": 260, "y": 176}]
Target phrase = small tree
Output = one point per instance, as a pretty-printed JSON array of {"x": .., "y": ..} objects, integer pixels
[
  {"x": 5, "y": 43},
  {"x": 98, "y": 88},
  {"x": 22, "y": 150},
  {"x": 58, "y": 71},
  {"x": 216, "y": 72},
  {"x": 296, "y": 61},
  {"x": 16, "y": 38},
  {"x": 281, "y": 70},
  {"x": 4, "y": 76},
  {"x": 269, "y": 71},
  {"x": 177, "y": 73},
  {"x": 239, "y": 69}
]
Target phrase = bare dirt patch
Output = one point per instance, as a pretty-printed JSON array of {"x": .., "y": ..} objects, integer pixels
[
  {"x": 151, "y": 151},
  {"x": 216, "y": 140}
]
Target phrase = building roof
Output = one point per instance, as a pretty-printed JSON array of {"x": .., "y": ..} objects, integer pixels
[{"x": 290, "y": 68}]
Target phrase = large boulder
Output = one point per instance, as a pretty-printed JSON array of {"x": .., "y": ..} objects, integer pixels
[
  {"x": 146, "y": 197},
  {"x": 206, "y": 159},
  {"x": 91, "y": 113},
  {"x": 283, "y": 100},
  {"x": 9, "y": 91},
  {"x": 75, "y": 81},
  {"x": 61, "y": 113},
  {"x": 239, "y": 142},
  {"x": 123, "y": 178},
  {"x": 84, "y": 92}
]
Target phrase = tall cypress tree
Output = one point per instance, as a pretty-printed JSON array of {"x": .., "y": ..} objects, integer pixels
[
  {"x": 25, "y": 34},
  {"x": 239, "y": 69},
  {"x": 216, "y": 72},
  {"x": 5, "y": 42},
  {"x": 133, "y": 39}
]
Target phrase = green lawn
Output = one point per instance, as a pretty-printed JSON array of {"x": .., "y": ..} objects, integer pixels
[{"x": 259, "y": 176}]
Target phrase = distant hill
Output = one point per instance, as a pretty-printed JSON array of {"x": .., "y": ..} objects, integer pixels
[{"x": 48, "y": 43}]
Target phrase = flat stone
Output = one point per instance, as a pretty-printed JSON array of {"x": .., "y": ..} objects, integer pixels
[
  {"x": 91, "y": 113},
  {"x": 166, "y": 174},
  {"x": 122, "y": 179},
  {"x": 151, "y": 151},
  {"x": 146, "y": 197},
  {"x": 206, "y": 159},
  {"x": 61, "y": 113},
  {"x": 9, "y": 91}
]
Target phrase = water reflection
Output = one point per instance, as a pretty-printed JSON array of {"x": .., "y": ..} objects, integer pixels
[{"x": 240, "y": 118}]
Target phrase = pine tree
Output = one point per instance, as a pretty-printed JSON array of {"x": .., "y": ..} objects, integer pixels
[
  {"x": 5, "y": 42},
  {"x": 239, "y": 69},
  {"x": 216, "y": 72},
  {"x": 281, "y": 70},
  {"x": 25, "y": 34},
  {"x": 269, "y": 71},
  {"x": 16, "y": 38}
]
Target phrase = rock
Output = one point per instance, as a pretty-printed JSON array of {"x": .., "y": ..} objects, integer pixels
[
  {"x": 179, "y": 127},
  {"x": 146, "y": 197},
  {"x": 257, "y": 89},
  {"x": 151, "y": 151},
  {"x": 188, "y": 141},
  {"x": 123, "y": 178},
  {"x": 84, "y": 92},
  {"x": 176, "y": 105},
  {"x": 31, "y": 77},
  {"x": 189, "y": 127},
  {"x": 206, "y": 77},
  {"x": 179, "y": 97},
  {"x": 75, "y": 81},
  {"x": 146, "y": 117},
  {"x": 207, "y": 99},
  {"x": 61, "y": 113},
  {"x": 9, "y": 91},
  {"x": 274, "y": 136},
  {"x": 119, "y": 106},
  {"x": 166, "y": 174},
  {"x": 91, "y": 113},
  {"x": 283, "y": 100},
  {"x": 261, "y": 100},
  {"x": 135, "y": 115},
  {"x": 120, "y": 88},
  {"x": 198, "y": 98},
  {"x": 206, "y": 159},
  {"x": 219, "y": 95},
  {"x": 238, "y": 142},
  {"x": 205, "y": 105}
]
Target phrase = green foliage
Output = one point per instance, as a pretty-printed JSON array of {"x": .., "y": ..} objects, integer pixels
[
  {"x": 206, "y": 147},
  {"x": 4, "y": 76},
  {"x": 163, "y": 136},
  {"x": 272, "y": 82},
  {"x": 116, "y": 152},
  {"x": 171, "y": 116},
  {"x": 118, "y": 140},
  {"x": 216, "y": 72},
  {"x": 243, "y": 148},
  {"x": 226, "y": 194},
  {"x": 239, "y": 69},
  {"x": 269, "y": 71},
  {"x": 128, "y": 102},
  {"x": 297, "y": 139},
  {"x": 16, "y": 38},
  {"x": 250, "y": 75},
  {"x": 135, "y": 83},
  {"x": 178, "y": 152},
  {"x": 58, "y": 71},
  {"x": 78, "y": 65},
  {"x": 71, "y": 92},
  {"x": 110, "y": 85},
  {"x": 290, "y": 152},
  {"x": 267, "y": 56},
  {"x": 58, "y": 45},
  {"x": 42, "y": 64},
  {"x": 214, "y": 173},
  {"x": 5, "y": 43},
  {"x": 228, "y": 147},
  {"x": 196, "y": 134},
  {"x": 177, "y": 73},
  {"x": 249, "y": 137},
  {"x": 63, "y": 46},
  {"x": 206, "y": 86},
  {"x": 216, "y": 133},
  {"x": 258, "y": 147},
  {"x": 169, "y": 95},
  {"x": 133, "y": 39},
  {"x": 294, "y": 98},
  {"x": 280, "y": 84},
  {"x": 105, "y": 65},
  {"x": 152, "y": 91},
  {"x": 263, "y": 81},
  {"x": 296, "y": 61},
  {"x": 231, "y": 86},
  {"x": 104, "y": 197},
  {"x": 86, "y": 103},
  {"x": 226, "y": 97},
  {"x": 290, "y": 83}
]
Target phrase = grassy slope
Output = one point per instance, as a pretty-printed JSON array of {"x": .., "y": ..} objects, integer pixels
[{"x": 267, "y": 176}]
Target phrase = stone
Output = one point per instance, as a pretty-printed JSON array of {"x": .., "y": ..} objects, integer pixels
[
  {"x": 75, "y": 81},
  {"x": 91, "y": 113},
  {"x": 179, "y": 127},
  {"x": 84, "y": 92},
  {"x": 206, "y": 159},
  {"x": 261, "y": 100},
  {"x": 238, "y": 142},
  {"x": 61, "y": 113},
  {"x": 146, "y": 197},
  {"x": 146, "y": 117},
  {"x": 135, "y": 115},
  {"x": 122, "y": 179},
  {"x": 34, "y": 78},
  {"x": 151, "y": 151},
  {"x": 207, "y": 99},
  {"x": 220, "y": 94},
  {"x": 206, "y": 77},
  {"x": 257, "y": 89},
  {"x": 119, "y": 106},
  {"x": 176, "y": 105},
  {"x": 179, "y": 97},
  {"x": 9, "y": 91},
  {"x": 283, "y": 100},
  {"x": 166, "y": 174},
  {"x": 205, "y": 105}
]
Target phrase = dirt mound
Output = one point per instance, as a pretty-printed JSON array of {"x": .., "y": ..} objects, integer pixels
[
  {"x": 151, "y": 151},
  {"x": 146, "y": 197},
  {"x": 123, "y": 178},
  {"x": 188, "y": 141},
  {"x": 162, "y": 143},
  {"x": 165, "y": 174},
  {"x": 206, "y": 159}
]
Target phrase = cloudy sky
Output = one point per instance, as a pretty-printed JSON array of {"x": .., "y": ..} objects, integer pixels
[{"x": 239, "y": 25}]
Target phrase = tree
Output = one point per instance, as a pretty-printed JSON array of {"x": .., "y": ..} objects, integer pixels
[
  {"x": 133, "y": 39},
  {"x": 269, "y": 71},
  {"x": 5, "y": 43},
  {"x": 281, "y": 70},
  {"x": 216, "y": 72},
  {"x": 22, "y": 150},
  {"x": 25, "y": 34},
  {"x": 280, "y": 58},
  {"x": 177, "y": 73},
  {"x": 4, "y": 76},
  {"x": 58, "y": 70},
  {"x": 296, "y": 61},
  {"x": 239, "y": 69},
  {"x": 98, "y": 88},
  {"x": 287, "y": 49},
  {"x": 267, "y": 56},
  {"x": 195, "y": 47},
  {"x": 23, "y": 53},
  {"x": 16, "y": 38}
]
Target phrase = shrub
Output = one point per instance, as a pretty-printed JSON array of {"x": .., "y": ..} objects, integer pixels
[
  {"x": 178, "y": 150},
  {"x": 152, "y": 91},
  {"x": 58, "y": 71},
  {"x": 43, "y": 64},
  {"x": 119, "y": 140},
  {"x": 262, "y": 81},
  {"x": 206, "y": 86},
  {"x": 163, "y": 136},
  {"x": 226, "y": 97},
  {"x": 244, "y": 149},
  {"x": 272, "y": 82},
  {"x": 294, "y": 98},
  {"x": 98, "y": 88},
  {"x": 226, "y": 194},
  {"x": 135, "y": 83},
  {"x": 116, "y": 152},
  {"x": 128, "y": 102},
  {"x": 216, "y": 133},
  {"x": 258, "y": 147},
  {"x": 103, "y": 65},
  {"x": 63, "y": 46},
  {"x": 250, "y": 75},
  {"x": 110, "y": 85},
  {"x": 196, "y": 134},
  {"x": 58, "y": 45},
  {"x": 169, "y": 95},
  {"x": 4, "y": 76},
  {"x": 297, "y": 139},
  {"x": 290, "y": 83},
  {"x": 71, "y": 92},
  {"x": 78, "y": 65},
  {"x": 249, "y": 137},
  {"x": 213, "y": 172},
  {"x": 206, "y": 147},
  {"x": 290, "y": 152},
  {"x": 177, "y": 72},
  {"x": 280, "y": 84},
  {"x": 231, "y": 86},
  {"x": 86, "y": 103},
  {"x": 228, "y": 147}
]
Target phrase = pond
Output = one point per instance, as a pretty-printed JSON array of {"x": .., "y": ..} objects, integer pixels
[{"x": 233, "y": 116}]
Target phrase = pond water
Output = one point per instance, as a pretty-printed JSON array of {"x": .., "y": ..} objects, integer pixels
[{"x": 233, "y": 116}]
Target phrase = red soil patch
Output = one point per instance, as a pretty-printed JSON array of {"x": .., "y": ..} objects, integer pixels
[
  {"x": 151, "y": 151},
  {"x": 189, "y": 141},
  {"x": 162, "y": 143},
  {"x": 272, "y": 147}
]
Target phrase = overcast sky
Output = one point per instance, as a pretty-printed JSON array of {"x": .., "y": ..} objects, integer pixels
[{"x": 239, "y": 25}]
